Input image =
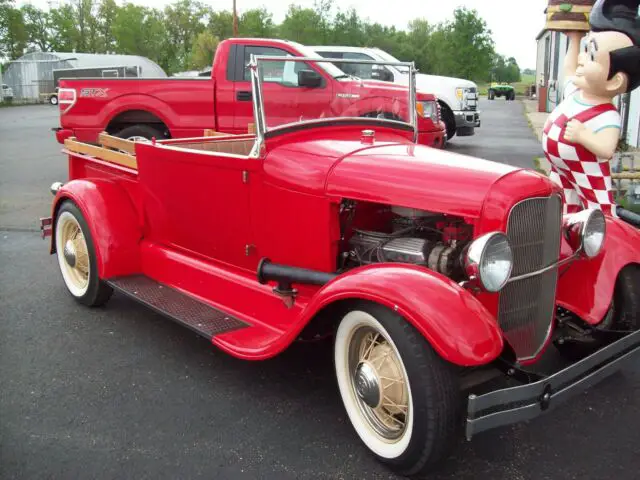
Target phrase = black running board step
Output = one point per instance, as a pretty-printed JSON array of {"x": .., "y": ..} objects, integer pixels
[{"x": 177, "y": 306}]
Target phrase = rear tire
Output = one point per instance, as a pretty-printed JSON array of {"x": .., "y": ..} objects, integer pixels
[
  {"x": 77, "y": 257},
  {"x": 401, "y": 398},
  {"x": 140, "y": 133},
  {"x": 53, "y": 100},
  {"x": 492, "y": 94}
]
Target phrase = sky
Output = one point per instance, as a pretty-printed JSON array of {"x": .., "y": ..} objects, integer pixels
[{"x": 514, "y": 23}]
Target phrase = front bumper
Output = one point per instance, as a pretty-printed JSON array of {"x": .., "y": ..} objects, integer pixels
[
  {"x": 525, "y": 402},
  {"x": 467, "y": 120},
  {"x": 435, "y": 138}
]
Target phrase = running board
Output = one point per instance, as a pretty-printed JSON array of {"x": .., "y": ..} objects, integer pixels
[{"x": 182, "y": 308}]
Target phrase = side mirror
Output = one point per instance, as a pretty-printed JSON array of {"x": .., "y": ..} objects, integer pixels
[{"x": 309, "y": 78}]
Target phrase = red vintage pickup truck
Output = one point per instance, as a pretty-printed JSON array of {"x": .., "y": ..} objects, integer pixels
[
  {"x": 433, "y": 272},
  {"x": 184, "y": 107}
]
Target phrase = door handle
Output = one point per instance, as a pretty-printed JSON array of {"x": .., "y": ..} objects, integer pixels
[{"x": 243, "y": 96}]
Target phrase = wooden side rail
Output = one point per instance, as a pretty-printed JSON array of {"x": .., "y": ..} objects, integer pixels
[
  {"x": 109, "y": 141},
  {"x": 106, "y": 154},
  {"x": 209, "y": 132}
]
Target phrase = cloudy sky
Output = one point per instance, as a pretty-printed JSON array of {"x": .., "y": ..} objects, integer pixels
[{"x": 515, "y": 23}]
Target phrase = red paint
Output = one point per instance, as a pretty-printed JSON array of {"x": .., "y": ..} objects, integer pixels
[
  {"x": 200, "y": 222},
  {"x": 187, "y": 106}
]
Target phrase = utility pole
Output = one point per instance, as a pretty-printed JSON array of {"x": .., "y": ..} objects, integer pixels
[{"x": 235, "y": 20}]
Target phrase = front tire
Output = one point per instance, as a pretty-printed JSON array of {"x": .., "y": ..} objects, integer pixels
[
  {"x": 77, "y": 257},
  {"x": 53, "y": 100},
  {"x": 492, "y": 94},
  {"x": 401, "y": 397},
  {"x": 449, "y": 121}
]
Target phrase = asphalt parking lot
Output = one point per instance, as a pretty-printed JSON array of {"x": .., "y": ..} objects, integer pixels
[{"x": 120, "y": 392}]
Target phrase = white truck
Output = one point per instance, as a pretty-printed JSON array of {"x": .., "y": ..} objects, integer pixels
[{"x": 458, "y": 98}]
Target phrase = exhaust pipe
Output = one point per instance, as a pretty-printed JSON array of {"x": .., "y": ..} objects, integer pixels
[
  {"x": 286, "y": 275},
  {"x": 628, "y": 216}
]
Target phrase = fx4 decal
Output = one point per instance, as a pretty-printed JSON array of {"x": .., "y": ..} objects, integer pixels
[{"x": 94, "y": 92}]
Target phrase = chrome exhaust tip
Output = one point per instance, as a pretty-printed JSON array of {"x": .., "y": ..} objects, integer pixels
[{"x": 55, "y": 187}]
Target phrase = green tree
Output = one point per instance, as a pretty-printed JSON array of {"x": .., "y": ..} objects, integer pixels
[
  {"x": 221, "y": 24},
  {"x": 38, "y": 27},
  {"x": 302, "y": 25},
  {"x": 348, "y": 28},
  {"x": 13, "y": 32},
  {"x": 465, "y": 45},
  {"x": 141, "y": 31},
  {"x": 107, "y": 12},
  {"x": 203, "y": 50},
  {"x": 505, "y": 70},
  {"x": 64, "y": 35},
  {"x": 183, "y": 23},
  {"x": 257, "y": 22}
]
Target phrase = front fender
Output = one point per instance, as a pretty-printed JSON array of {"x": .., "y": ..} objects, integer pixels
[
  {"x": 452, "y": 320},
  {"x": 587, "y": 287},
  {"x": 113, "y": 222}
]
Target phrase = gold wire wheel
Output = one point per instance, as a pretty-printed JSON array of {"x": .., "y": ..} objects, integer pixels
[
  {"x": 379, "y": 382},
  {"x": 75, "y": 254}
]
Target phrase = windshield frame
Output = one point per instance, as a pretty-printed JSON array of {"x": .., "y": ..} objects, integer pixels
[{"x": 258, "y": 103}]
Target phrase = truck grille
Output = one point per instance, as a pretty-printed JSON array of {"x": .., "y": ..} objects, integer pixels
[{"x": 527, "y": 306}]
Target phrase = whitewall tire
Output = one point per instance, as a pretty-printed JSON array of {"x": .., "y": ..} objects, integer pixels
[
  {"x": 77, "y": 257},
  {"x": 400, "y": 396}
]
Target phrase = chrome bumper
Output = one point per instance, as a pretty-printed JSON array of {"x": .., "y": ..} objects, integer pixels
[
  {"x": 525, "y": 402},
  {"x": 467, "y": 118}
]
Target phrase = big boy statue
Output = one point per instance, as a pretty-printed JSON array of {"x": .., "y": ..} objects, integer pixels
[{"x": 581, "y": 135}]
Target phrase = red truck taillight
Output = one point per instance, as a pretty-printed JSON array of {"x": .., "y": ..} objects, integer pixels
[{"x": 66, "y": 99}]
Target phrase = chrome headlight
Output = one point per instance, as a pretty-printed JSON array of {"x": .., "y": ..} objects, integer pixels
[
  {"x": 490, "y": 260},
  {"x": 586, "y": 231},
  {"x": 429, "y": 110}
]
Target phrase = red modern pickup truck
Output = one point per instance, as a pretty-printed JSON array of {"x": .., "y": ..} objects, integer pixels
[{"x": 184, "y": 107}]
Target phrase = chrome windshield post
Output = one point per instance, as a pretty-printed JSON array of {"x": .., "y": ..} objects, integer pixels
[
  {"x": 258, "y": 111},
  {"x": 412, "y": 101}
]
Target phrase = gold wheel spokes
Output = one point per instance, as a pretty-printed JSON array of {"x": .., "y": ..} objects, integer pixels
[
  {"x": 380, "y": 384},
  {"x": 76, "y": 254}
]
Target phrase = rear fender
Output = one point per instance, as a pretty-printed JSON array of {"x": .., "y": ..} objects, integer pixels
[
  {"x": 452, "y": 320},
  {"x": 587, "y": 286},
  {"x": 112, "y": 219}
]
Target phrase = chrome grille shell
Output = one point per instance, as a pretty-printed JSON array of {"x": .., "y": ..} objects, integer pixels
[{"x": 527, "y": 306}]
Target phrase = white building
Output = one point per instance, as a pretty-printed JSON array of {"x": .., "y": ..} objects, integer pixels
[
  {"x": 32, "y": 74},
  {"x": 552, "y": 47}
]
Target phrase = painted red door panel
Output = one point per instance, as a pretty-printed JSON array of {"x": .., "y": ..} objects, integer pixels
[{"x": 198, "y": 202}]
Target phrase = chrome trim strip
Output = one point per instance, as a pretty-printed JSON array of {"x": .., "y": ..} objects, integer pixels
[{"x": 546, "y": 269}]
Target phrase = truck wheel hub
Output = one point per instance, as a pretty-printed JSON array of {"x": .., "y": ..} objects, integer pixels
[
  {"x": 367, "y": 384},
  {"x": 70, "y": 253}
]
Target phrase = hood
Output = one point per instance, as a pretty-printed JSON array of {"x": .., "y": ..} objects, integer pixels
[
  {"x": 416, "y": 176},
  {"x": 423, "y": 79}
]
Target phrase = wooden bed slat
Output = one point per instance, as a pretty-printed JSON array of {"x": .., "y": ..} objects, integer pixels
[
  {"x": 112, "y": 156},
  {"x": 110, "y": 141}
]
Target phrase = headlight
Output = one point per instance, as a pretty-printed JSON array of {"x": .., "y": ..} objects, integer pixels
[
  {"x": 490, "y": 260},
  {"x": 586, "y": 231},
  {"x": 428, "y": 110}
]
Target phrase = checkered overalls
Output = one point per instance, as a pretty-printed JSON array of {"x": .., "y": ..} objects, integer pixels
[{"x": 585, "y": 178}]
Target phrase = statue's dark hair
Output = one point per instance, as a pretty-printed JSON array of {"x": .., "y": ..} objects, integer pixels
[
  {"x": 626, "y": 60},
  {"x": 620, "y": 16}
]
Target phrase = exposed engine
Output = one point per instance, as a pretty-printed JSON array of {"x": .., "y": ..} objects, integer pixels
[{"x": 395, "y": 234}]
